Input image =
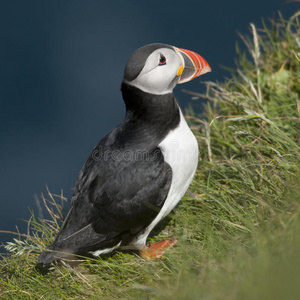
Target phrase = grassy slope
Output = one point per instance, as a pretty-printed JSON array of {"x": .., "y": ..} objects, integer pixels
[{"x": 238, "y": 226}]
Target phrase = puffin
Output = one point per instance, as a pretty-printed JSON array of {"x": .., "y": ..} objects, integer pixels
[{"x": 139, "y": 171}]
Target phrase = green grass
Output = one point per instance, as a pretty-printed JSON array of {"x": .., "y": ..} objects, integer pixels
[{"x": 238, "y": 226}]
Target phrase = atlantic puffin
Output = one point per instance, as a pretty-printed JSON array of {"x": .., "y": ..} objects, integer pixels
[{"x": 139, "y": 171}]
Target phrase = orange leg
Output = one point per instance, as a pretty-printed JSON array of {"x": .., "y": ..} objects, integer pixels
[{"x": 157, "y": 250}]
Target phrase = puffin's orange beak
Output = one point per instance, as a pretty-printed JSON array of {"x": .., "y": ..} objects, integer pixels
[{"x": 193, "y": 65}]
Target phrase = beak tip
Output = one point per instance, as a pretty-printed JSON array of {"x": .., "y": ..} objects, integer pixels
[{"x": 205, "y": 70}]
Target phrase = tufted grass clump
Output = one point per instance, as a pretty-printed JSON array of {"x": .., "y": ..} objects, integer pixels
[{"x": 238, "y": 225}]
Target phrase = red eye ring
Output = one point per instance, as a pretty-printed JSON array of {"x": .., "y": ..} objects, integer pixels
[{"x": 162, "y": 60}]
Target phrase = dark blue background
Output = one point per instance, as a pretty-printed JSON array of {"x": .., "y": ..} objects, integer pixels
[{"x": 61, "y": 64}]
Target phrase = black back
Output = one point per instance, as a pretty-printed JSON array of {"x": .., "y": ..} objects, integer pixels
[{"x": 125, "y": 180}]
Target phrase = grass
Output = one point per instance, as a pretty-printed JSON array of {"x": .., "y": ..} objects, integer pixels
[{"x": 238, "y": 226}]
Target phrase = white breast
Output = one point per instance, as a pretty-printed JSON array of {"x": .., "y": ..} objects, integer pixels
[{"x": 180, "y": 150}]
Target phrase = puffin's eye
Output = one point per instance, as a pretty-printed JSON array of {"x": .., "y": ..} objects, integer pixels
[{"x": 162, "y": 60}]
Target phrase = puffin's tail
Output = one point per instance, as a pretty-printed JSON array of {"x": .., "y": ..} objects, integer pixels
[{"x": 49, "y": 258}]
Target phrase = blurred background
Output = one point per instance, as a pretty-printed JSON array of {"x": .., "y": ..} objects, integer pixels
[{"x": 61, "y": 65}]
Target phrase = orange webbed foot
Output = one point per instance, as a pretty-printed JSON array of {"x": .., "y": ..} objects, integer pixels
[{"x": 157, "y": 249}]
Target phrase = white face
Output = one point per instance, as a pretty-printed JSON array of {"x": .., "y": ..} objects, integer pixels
[{"x": 159, "y": 75}]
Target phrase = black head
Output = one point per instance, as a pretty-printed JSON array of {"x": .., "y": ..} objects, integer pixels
[{"x": 157, "y": 68}]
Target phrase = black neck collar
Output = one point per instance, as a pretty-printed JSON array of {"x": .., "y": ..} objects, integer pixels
[
  {"x": 155, "y": 115},
  {"x": 145, "y": 105}
]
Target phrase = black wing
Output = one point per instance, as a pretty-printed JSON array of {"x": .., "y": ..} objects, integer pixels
[{"x": 117, "y": 194}]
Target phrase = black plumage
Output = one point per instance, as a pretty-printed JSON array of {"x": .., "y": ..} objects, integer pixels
[
  {"x": 134, "y": 176},
  {"x": 137, "y": 60},
  {"x": 124, "y": 182}
]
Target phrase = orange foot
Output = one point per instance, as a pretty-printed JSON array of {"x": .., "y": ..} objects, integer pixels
[{"x": 157, "y": 250}]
